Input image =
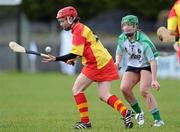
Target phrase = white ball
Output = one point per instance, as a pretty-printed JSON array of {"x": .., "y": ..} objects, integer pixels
[{"x": 48, "y": 49}]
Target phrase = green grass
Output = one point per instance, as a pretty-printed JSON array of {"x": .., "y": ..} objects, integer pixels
[{"x": 44, "y": 103}]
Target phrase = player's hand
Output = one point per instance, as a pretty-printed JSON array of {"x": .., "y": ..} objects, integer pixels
[
  {"x": 70, "y": 62},
  {"x": 117, "y": 66},
  {"x": 155, "y": 85},
  {"x": 49, "y": 59}
]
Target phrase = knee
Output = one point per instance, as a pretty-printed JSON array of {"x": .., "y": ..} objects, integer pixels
[
  {"x": 124, "y": 90},
  {"x": 101, "y": 98},
  {"x": 75, "y": 91},
  {"x": 144, "y": 93},
  {"x": 104, "y": 97}
]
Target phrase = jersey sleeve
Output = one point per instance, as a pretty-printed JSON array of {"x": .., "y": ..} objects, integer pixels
[
  {"x": 119, "y": 49},
  {"x": 147, "y": 41},
  {"x": 149, "y": 53},
  {"x": 78, "y": 43},
  {"x": 172, "y": 21}
]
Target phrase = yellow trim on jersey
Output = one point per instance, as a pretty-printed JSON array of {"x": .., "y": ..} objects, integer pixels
[
  {"x": 87, "y": 33},
  {"x": 101, "y": 60},
  {"x": 97, "y": 48},
  {"x": 77, "y": 49},
  {"x": 177, "y": 8},
  {"x": 84, "y": 60},
  {"x": 172, "y": 23}
]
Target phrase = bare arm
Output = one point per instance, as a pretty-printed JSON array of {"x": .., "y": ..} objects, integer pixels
[
  {"x": 153, "y": 69},
  {"x": 118, "y": 60},
  {"x": 154, "y": 83}
]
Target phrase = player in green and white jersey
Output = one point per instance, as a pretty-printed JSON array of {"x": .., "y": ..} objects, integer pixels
[{"x": 141, "y": 67}]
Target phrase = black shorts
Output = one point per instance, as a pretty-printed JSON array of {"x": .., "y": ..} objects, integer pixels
[{"x": 138, "y": 69}]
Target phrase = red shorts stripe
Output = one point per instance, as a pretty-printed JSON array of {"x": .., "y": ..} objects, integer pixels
[{"x": 108, "y": 73}]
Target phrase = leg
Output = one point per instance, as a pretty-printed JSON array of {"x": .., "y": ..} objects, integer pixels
[
  {"x": 81, "y": 83},
  {"x": 112, "y": 100},
  {"x": 145, "y": 85},
  {"x": 105, "y": 95},
  {"x": 103, "y": 89},
  {"x": 129, "y": 80}
]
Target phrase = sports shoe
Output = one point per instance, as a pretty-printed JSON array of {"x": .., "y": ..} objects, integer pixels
[
  {"x": 158, "y": 123},
  {"x": 140, "y": 118},
  {"x": 128, "y": 119},
  {"x": 82, "y": 125}
]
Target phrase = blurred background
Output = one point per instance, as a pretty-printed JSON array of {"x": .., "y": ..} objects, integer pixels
[{"x": 33, "y": 24}]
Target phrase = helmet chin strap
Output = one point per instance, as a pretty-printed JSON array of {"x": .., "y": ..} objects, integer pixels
[
  {"x": 129, "y": 34},
  {"x": 70, "y": 21}
]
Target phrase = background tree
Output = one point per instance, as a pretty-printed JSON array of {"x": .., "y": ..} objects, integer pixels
[{"x": 46, "y": 10}]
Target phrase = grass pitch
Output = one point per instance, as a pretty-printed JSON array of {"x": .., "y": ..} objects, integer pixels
[{"x": 44, "y": 103}]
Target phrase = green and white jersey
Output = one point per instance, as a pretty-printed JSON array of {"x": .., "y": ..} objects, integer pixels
[{"x": 140, "y": 52}]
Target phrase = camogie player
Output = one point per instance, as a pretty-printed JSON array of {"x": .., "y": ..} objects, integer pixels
[
  {"x": 173, "y": 25},
  {"x": 98, "y": 67},
  {"x": 141, "y": 68}
]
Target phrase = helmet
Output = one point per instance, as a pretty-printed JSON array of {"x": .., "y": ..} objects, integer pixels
[
  {"x": 130, "y": 19},
  {"x": 67, "y": 11}
]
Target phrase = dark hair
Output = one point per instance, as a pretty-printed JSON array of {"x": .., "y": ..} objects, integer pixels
[{"x": 76, "y": 19}]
